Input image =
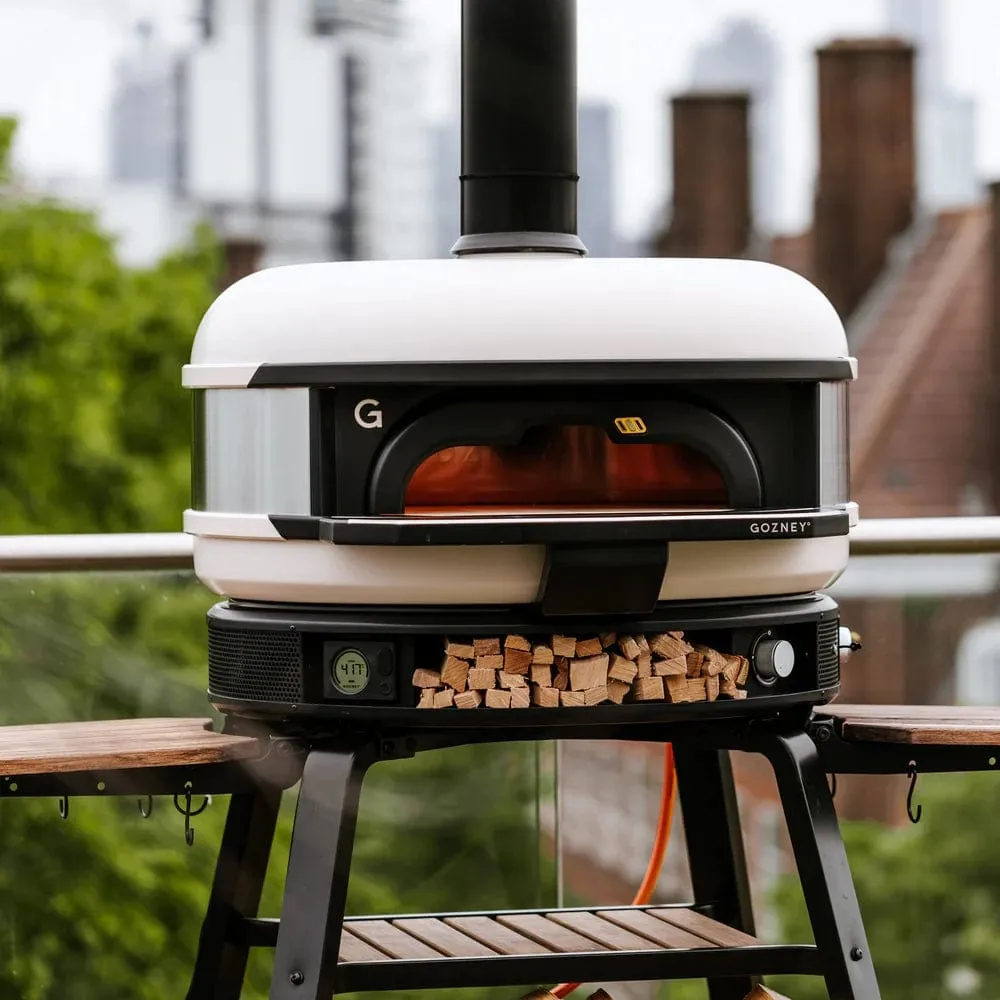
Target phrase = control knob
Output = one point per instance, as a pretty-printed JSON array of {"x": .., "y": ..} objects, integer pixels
[{"x": 773, "y": 658}]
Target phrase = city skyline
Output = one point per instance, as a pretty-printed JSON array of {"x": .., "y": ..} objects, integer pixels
[{"x": 56, "y": 62}]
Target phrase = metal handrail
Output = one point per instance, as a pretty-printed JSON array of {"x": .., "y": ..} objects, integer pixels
[{"x": 159, "y": 551}]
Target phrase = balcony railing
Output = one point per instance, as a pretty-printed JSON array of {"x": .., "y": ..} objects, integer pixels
[{"x": 161, "y": 551}]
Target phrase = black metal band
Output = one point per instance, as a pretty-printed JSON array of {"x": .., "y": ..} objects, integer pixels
[
  {"x": 559, "y": 373},
  {"x": 592, "y": 529}
]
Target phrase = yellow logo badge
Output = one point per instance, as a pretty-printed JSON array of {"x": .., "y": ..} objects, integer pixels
[{"x": 630, "y": 425}]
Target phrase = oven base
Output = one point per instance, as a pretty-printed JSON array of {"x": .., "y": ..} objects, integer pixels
[{"x": 277, "y": 661}]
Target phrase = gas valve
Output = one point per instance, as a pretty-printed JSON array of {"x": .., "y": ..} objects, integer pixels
[{"x": 848, "y": 641}]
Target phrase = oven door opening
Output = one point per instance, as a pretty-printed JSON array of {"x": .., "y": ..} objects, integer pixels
[{"x": 560, "y": 470}]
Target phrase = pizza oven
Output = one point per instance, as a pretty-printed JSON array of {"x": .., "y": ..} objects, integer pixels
[{"x": 401, "y": 465}]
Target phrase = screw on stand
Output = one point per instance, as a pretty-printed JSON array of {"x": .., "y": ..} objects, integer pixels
[{"x": 297, "y": 978}]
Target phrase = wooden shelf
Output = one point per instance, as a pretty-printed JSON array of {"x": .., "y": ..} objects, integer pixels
[{"x": 526, "y": 947}]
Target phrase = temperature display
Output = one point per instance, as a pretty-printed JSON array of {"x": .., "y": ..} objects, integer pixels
[{"x": 350, "y": 672}]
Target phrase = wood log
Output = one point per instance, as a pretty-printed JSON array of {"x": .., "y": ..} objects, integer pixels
[
  {"x": 621, "y": 669},
  {"x": 542, "y": 655},
  {"x": 455, "y": 673},
  {"x": 460, "y": 650},
  {"x": 667, "y": 646},
  {"x": 677, "y": 667},
  {"x": 541, "y": 675},
  {"x": 763, "y": 993},
  {"x": 492, "y": 661},
  {"x": 517, "y": 661},
  {"x": 629, "y": 647},
  {"x": 695, "y": 659},
  {"x": 572, "y": 699},
  {"x": 589, "y": 673},
  {"x": 712, "y": 686},
  {"x": 561, "y": 679},
  {"x": 744, "y": 674},
  {"x": 426, "y": 698},
  {"x": 486, "y": 647},
  {"x": 510, "y": 681},
  {"x": 468, "y": 699},
  {"x": 596, "y": 695},
  {"x": 517, "y": 642},
  {"x": 588, "y": 647},
  {"x": 648, "y": 689},
  {"x": 564, "y": 645},
  {"x": 713, "y": 661},
  {"x": 608, "y": 639},
  {"x": 495, "y": 698},
  {"x": 685, "y": 689},
  {"x": 727, "y": 686},
  {"x": 739, "y": 694},
  {"x": 482, "y": 679},
  {"x": 520, "y": 697},
  {"x": 444, "y": 699},
  {"x": 426, "y": 678},
  {"x": 618, "y": 691},
  {"x": 643, "y": 643},
  {"x": 545, "y": 697},
  {"x": 736, "y": 668},
  {"x": 644, "y": 665}
]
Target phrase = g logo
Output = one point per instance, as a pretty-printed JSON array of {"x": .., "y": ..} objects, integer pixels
[{"x": 367, "y": 417}]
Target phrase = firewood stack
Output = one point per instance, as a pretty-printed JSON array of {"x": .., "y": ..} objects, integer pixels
[{"x": 512, "y": 672}]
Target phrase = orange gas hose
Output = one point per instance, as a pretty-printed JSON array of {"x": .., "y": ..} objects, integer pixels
[{"x": 660, "y": 841}]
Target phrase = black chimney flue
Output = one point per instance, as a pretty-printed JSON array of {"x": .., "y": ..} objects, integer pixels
[{"x": 519, "y": 126}]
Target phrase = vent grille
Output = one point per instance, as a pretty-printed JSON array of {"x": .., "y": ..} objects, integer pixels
[
  {"x": 254, "y": 665},
  {"x": 828, "y": 654}
]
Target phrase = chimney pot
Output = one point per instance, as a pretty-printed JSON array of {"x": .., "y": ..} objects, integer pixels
[
  {"x": 867, "y": 170},
  {"x": 712, "y": 213}
]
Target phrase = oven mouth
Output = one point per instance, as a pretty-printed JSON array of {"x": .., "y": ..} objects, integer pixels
[{"x": 562, "y": 458}]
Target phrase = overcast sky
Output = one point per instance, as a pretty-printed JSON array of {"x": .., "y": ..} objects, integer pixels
[{"x": 57, "y": 58}]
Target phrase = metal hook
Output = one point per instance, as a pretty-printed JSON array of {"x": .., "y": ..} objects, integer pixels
[
  {"x": 188, "y": 813},
  {"x": 145, "y": 811},
  {"x": 64, "y": 806},
  {"x": 833, "y": 786},
  {"x": 911, "y": 771}
]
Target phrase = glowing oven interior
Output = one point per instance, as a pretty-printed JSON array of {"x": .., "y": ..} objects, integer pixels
[{"x": 558, "y": 470}]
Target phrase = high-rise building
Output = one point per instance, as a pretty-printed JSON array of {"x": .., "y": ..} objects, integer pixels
[
  {"x": 304, "y": 125},
  {"x": 743, "y": 57},
  {"x": 596, "y": 188},
  {"x": 946, "y": 121},
  {"x": 143, "y": 114}
]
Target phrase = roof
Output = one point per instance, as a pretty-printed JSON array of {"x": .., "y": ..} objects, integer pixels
[{"x": 918, "y": 408}]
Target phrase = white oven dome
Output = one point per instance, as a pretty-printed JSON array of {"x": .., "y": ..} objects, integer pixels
[{"x": 525, "y": 307}]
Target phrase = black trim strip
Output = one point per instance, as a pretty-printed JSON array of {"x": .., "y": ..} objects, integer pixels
[
  {"x": 468, "y": 373},
  {"x": 595, "y": 528}
]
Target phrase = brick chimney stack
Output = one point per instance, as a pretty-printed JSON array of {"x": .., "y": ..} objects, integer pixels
[
  {"x": 866, "y": 187},
  {"x": 241, "y": 256},
  {"x": 712, "y": 213}
]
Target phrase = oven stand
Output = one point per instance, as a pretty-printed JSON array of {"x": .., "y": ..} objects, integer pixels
[{"x": 387, "y": 953}]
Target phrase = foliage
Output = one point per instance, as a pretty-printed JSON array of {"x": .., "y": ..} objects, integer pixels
[
  {"x": 930, "y": 895},
  {"x": 95, "y": 431}
]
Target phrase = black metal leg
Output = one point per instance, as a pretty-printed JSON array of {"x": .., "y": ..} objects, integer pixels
[
  {"x": 239, "y": 878},
  {"x": 823, "y": 869},
  {"x": 715, "y": 848},
  {"x": 312, "y": 913}
]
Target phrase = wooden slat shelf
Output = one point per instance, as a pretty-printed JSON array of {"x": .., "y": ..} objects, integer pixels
[
  {"x": 522, "y": 947},
  {"x": 916, "y": 725},
  {"x": 119, "y": 744}
]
